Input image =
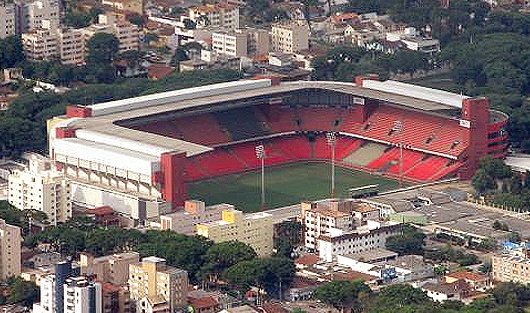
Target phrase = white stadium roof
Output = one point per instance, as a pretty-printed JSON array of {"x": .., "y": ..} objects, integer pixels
[{"x": 418, "y": 92}]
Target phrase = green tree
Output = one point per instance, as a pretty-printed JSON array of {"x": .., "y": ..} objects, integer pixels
[
  {"x": 341, "y": 294},
  {"x": 102, "y": 49},
  {"x": 482, "y": 182},
  {"x": 11, "y": 52},
  {"x": 21, "y": 291},
  {"x": 410, "y": 241},
  {"x": 179, "y": 55},
  {"x": 221, "y": 256}
]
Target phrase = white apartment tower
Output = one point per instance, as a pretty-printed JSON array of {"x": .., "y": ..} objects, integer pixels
[
  {"x": 48, "y": 42},
  {"x": 218, "y": 16},
  {"x": 40, "y": 187},
  {"x": 127, "y": 33},
  {"x": 290, "y": 37},
  {"x": 41, "y": 44},
  {"x": 231, "y": 44},
  {"x": 82, "y": 296},
  {"x": 7, "y": 19},
  {"x": 10, "y": 240}
]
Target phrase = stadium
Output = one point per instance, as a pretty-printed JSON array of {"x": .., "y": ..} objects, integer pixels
[{"x": 139, "y": 154}]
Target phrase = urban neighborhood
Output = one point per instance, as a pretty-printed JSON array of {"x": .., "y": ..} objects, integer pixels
[{"x": 264, "y": 156}]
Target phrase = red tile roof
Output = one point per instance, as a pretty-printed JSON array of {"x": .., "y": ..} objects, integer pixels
[
  {"x": 471, "y": 276},
  {"x": 203, "y": 303},
  {"x": 158, "y": 71},
  {"x": 308, "y": 259}
]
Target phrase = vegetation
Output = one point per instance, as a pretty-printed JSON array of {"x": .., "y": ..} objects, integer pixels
[
  {"x": 204, "y": 260},
  {"x": 270, "y": 274},
  {"x": 11, "y": 52},
  {"x": 20, "y": 291},
  {"x": 410, "y": 241},
  {"x": 18, "y": 217},
  {"x": 403, "y": 298},
  {"x": 450, "y": 254},
  {"x": 341, "y": 294},
  {"x": 288, "y": 236},
  {"x": 284, "y": 185},
  {"x": 22, "y": 127},
  {"x": 498, "y": 184}
]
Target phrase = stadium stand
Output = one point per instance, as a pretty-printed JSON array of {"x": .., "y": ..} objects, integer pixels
[
  {"x": 427, "y": 167},
  {"x": 196, "y": 133},
  {"x": 241, "y": 123},
  {"x": 365, "y": 154}
]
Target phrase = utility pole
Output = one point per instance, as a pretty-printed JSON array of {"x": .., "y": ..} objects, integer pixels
[
  {"x": 260, "y": 154},
  {"x": 331, "y": 139},
  {"x": 398, "y": 127}
]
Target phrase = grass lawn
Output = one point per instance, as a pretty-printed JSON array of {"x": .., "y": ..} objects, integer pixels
[{"x": 284, "y": 185}]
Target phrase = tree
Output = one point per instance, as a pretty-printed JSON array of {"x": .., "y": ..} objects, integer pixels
[
  {"x": 21, "y": 291},
  {"x": 11, "y": 52},
  {"x": 397, "y": 296},
  {"x": 341, "y": 294},
  {"x": 179, "y": 55},
  {"x": 410, "y": 241},
  {"x": 221, "y": 256},
  {"x": 288, "y": 236},
  {"x": 136, "y": 19},
  {"x": 189, "y": 24},
  {"x": 272, "y": 274},
  {"x": 482, "y": 182},
  {"x": 102, "y": 49}
]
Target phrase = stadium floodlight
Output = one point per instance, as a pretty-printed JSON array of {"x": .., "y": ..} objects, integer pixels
[
  {"x": 331, "y": 139},
  {"x": 260, "y": 154},
  {"x": 398, "y": 127}
]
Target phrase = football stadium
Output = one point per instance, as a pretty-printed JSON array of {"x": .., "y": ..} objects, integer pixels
[{"x": 140, "y": 155}]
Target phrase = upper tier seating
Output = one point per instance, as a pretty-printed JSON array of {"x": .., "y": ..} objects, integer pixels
[{"x": 241, "y": 123}]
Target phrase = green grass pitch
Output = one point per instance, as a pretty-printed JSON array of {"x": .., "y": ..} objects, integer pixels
[{"x": 284, "y": 185}]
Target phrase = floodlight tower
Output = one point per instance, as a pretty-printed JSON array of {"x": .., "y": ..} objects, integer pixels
[
  {"x": 331, "y": 139},
  {"x": 398, "y": 127},
  {"x": 260, "y": 154}
]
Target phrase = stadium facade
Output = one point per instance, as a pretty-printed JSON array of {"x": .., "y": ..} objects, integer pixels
[{"x": 137, "y": 154}]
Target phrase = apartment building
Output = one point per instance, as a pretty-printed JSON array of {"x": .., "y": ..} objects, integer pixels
[
  {"x": 40, "y": 187},
  {"x": 41, "y": 44},
  {"x": 320, "y": 217},
  {"x": 230, "y": 43},
  {"x": 116, "y": 299},
  {"x": 258, "y": 41},
  {"x": 290, "y": 37},
  {"x": 364, "y": 238},
  {"x": 82, "y": 295},
  {"x": 241, "y": 42},
  {"x": 112, "y": 268},
  {"x": 35, "y": 12},
  {"x": 136, "y": 6},
  {"x": 52, "y": 299},
  {"x": 254, "y": 229},
  {"x": 127, "y": 33},
  {"x": 71, "y": 46},
  {"x": 10, "y": 240},
  {"x": 7, "y": 19},
  {"x": 49, "y": 43},
  {"x": 511, "y": 268},
  {"x": 195, "y": 212},
  {"x": 156, "y": 287},
  {"x": 217, "y": 16}
]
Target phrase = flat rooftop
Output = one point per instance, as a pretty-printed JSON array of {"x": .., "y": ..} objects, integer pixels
[{"x": 456, "y": 214}]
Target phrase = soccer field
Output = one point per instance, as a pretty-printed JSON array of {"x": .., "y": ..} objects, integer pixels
[{"x": 284, "y": 185}]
